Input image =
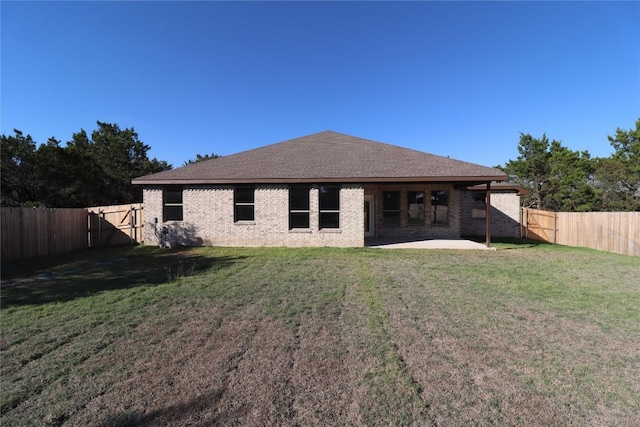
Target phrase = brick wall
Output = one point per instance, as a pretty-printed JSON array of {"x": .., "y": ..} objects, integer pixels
[
  {"x": 208, "y": 218},
  {"x": 505, "y": 214},
  {"x": 428, "y": 230}
]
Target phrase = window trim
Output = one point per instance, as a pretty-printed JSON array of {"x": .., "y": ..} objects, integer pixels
[
  {"x": 166, "y": 204},
  {"x": 328, "y": 211},
  {"x": 237, "y": 204}
]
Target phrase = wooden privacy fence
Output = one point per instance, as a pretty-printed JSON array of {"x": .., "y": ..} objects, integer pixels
[
  {"x": 32, "y": 232},
  {"x": 617, "y": 232}
]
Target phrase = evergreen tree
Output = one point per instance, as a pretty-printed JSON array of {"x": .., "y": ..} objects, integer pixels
[
  {"x": 569, "y": 186},
  {"x": 18, "y": 172},
  {"x": 88, "y": 171},
  {"x": 531, "y": 169},
  {"x": 200, "y": 158},
  {"x": 618, "y": 176}
]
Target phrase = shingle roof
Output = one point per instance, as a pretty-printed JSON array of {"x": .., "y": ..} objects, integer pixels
[{"x": 326, "y": 157}]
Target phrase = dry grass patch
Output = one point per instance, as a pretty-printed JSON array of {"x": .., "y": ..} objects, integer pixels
[
  {"x": 517, "y": 337},
  {"x": 220, "y": 336}
]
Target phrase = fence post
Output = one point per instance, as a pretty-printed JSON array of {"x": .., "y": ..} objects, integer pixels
[
  {"x": 141, "y": 233},
  {"x": 488, "y": 215},
  {"x": 132, "y": 212},
  {"x": 100, "y": 215}
]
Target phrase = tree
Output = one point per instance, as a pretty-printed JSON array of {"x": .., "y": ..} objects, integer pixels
[
  {"x": 58, "y": 183},
  {"x": 531, "y": 168},
  {"x": 18, "y": 170},
  {"x": 618, "y": 176},
  {"x": 111, "y": 159},
  {"x": 569, "y": 186},
  {"x": 557, "y": 178},
  {"x": 88, "y": 171},
  {"x": 200, "y": 158},
  {"x": 561, "y": 179}
]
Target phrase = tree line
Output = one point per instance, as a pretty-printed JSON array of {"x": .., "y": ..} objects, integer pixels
[
  {"x": 90, "y": 170},
  {"x": 97, "y": 169},
  {"x": 563, "y": 180}
]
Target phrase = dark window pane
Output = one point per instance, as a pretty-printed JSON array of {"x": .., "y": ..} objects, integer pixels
[
  {"x": 479, "y": 205},
  {"x": 415, "y": 206},
  {"x": 440, "y": 198},
  {"x": 299, "y": 220},
  {"x": 391, "y": 217},
  {"x": 244, "y": 213},
  {"x": 329, "y": 198},
  {"x": 391, "y": 208},
  {"x": 299, "y": 198},
  {"x": 173, "y": 213},
  {"x": 440, "y": 214},
  {"x": 440, "y": 206},
  {"x": 415, "y": 197},
  {"x": 243, "y": 195},
  {"x": 391, "y": 201},
  {"x": 479, "y": 196},
  {"x": 172, "y": 196},
  {"x": 172, "y": 205},
  {"x": 329, "y": 220}
]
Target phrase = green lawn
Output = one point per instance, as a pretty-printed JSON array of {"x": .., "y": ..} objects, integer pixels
[{"x": 526, "y": 335}]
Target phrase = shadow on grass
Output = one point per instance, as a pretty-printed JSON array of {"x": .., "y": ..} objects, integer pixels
[
  {"x": 180, "y": 414},
  {"x": 502, "y": 243},
  {"x": 79, "y": 274}
]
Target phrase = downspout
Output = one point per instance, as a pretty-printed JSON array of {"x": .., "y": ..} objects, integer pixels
[{"x": 488, "y": 215}]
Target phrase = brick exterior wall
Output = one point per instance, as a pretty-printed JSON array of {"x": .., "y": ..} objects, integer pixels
[
  {"x": 428, "y": 230},
  {"x": 505, "y": 214},
  {"x": 208, "y": 218}
]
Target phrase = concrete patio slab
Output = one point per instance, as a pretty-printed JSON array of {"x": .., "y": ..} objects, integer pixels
[{"x": 426, "y": 244}]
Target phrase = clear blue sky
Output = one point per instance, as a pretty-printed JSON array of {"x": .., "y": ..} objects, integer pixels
[{"x": 459, "y": 79}]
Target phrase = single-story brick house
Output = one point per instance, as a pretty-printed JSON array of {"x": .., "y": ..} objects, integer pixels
[{"x": 325, "y": 189}]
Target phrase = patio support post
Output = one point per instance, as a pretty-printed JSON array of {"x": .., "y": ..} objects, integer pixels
[{"x": 488, "y": 216}]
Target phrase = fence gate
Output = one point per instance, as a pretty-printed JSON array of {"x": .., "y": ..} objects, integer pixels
[
  {"x": 116, "y": 225},
  {"x": 540, "y": 225}
]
